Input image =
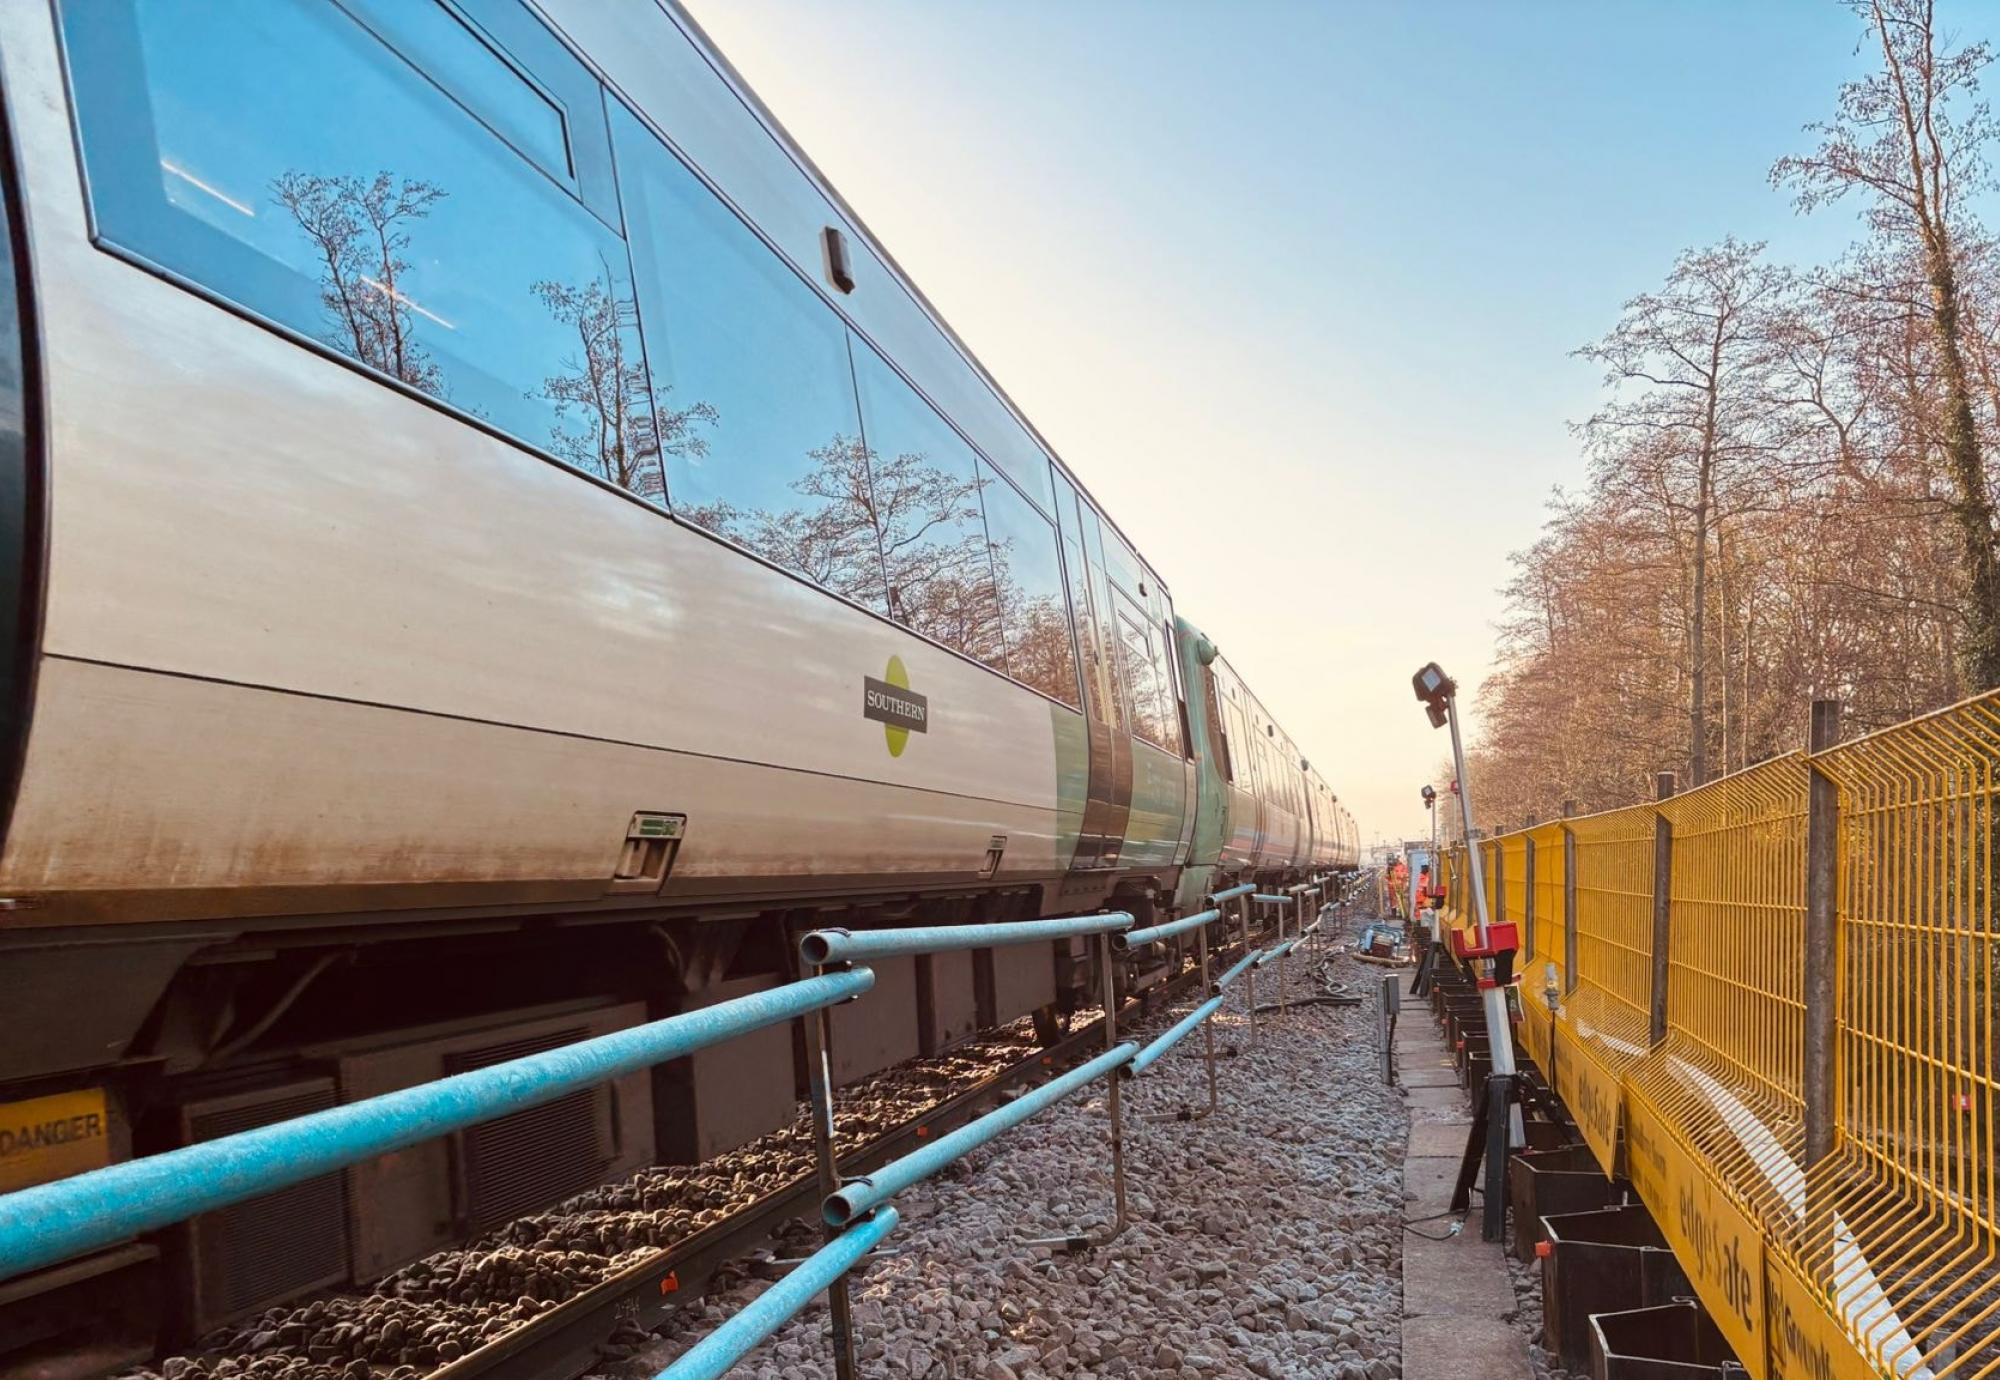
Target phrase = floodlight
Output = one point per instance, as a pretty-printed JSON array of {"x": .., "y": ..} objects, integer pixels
[{"x": 1434, "y": 690}]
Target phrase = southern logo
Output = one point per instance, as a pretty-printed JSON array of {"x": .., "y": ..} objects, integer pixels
[{"x": 892, "y": 703}]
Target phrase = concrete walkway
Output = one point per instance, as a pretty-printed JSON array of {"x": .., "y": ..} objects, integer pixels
[{"x": 1456, "y": 1294}]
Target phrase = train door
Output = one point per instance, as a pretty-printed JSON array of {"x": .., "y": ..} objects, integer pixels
[
  {"x": 1108, "y": 796},
  {"x": 1153, "y": 826},
  {"x": 1177, "y": 693},
  {"x": 1315, "y": 817},
  {"x": 1250, "y": 765}
]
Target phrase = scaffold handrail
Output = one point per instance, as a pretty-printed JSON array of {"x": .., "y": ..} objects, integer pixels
[
  {"x": 1271, "y": 900},
  {"x": 54, "y": 1221},
  {"x": 834, "y": 945},
  {"x": 1232, "y": 892},
  {"x": 1181, "y": 1029},
  {"x": 861, "y": 1195},
  {"x": 1277, "y": 951},
  {"x": 1135, "y": 939},
  {"x": 713, "y": 1355},
  {"x": 1236, "y": 970}
]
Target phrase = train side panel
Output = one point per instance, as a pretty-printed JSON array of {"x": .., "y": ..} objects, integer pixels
[{"x": 222, "y": 547}]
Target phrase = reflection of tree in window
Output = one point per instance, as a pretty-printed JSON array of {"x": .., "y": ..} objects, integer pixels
[
  {"x": 905, "y": 517},
  {"x": 1040, "y": 652},
  {"x": 604, "y": 384},
  {"x": 359, "y": 231},
  {"x": 1028, "y": 587},
  {"x": 1139, "y": 680}
]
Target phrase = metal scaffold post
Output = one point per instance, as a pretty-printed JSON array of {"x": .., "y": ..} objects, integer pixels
[
  {"x": 819, "y": 1075},
  {"x": 1499, "y": 1118},
  {"x": 827, "y": 947}
]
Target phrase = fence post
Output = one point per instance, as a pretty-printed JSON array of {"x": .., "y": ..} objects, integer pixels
[
  {"x": 1569, "y": 901},
  {"x": 1663, "y": 886},
  {"x": 1822, "y": 957}
]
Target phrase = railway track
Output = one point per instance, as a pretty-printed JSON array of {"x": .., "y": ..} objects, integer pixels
[{"x": 570, "y": 1337}]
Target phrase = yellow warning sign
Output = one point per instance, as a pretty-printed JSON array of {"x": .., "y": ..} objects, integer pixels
[
  {"x": 47, "y": 1138},
  {"x": 1719, "y": 1247},
  {"x": 1806, "y": 1343},
  {"x": 1591, "y": 1093}
]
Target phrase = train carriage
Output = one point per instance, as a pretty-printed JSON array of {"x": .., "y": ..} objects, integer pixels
[{"x": 498, "y": 547}]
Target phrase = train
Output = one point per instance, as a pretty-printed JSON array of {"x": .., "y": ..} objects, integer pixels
[{"x": 497, "y": 549}]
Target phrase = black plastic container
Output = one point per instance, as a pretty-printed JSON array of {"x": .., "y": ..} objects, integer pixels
[
  {"x": 1554, "y": 1182},
  {"x": 1674, "y": 1341},
  {"x": 1607, "y": 1261}
]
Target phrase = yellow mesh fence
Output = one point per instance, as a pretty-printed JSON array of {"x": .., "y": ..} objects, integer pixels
[
  {"x": 1883, "y": 1258},
  {"x": 1610, "y": 1011},
  {"x": 1512, "y": 883},
  {"x": 1542, "y": 958},
  {"x": 1490, "y": 875},
  {"x": 1726, "y": 1083},
  {"x": 1897, "y": 1237},
  {"x": 1548, "y": 947}
]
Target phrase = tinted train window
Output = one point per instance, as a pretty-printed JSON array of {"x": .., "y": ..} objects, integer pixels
[
  {"x": 764, "y": 443},
  {"x": 1152, "y": 716},
  {"x": 281, "y": 155},
  {"x": 1028, "y": 576},
  {"x": 1105, "y": 705},
  {"x": 926, "y": 514}
]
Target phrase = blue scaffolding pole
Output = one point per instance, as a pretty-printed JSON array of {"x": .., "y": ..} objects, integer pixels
[
  {"x": 827, "y": 947},
  {"x": 713, "y": 1355},
  {"x": 864, "y": 1194},
  {"x": 54, "y": 1221}
]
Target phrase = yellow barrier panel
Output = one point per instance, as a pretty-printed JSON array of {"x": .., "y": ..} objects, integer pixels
[
  {"x": 1453, "y": 865},
  {"x": 1883, "y": 1259},
  {"x": 1898, "y": 1237},
  {"x": 1714, "y": 1116},
  {"x": 1606, "y": 1022},
  {"x": 1542, "y": 964}
]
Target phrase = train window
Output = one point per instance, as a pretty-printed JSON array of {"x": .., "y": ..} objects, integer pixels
[
  {"x": 757, "y": 393},
  {"x": 1155, "y": 717},
  {"x": 281, "y": 156},
  {"x": 464, "y": 63},
  {"x": 926, "y": 513},
  {"x": 1136, "y": 652},
  {"x": 1034, "y": 615},
  {"x": 1105, "y": 705}
]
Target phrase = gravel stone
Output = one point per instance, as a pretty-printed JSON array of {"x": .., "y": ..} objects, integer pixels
[{"x": 1264, "y": 1241}]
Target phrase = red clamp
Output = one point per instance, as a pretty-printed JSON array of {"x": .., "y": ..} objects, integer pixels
[
  {"x": 1502, "y": 941},
  {"x": 1503, "y": 938}
]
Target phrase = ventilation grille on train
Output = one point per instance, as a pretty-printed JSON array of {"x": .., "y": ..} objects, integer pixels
[
  {"x": 529, "y": 1159},
  {"x": 255, "y": 1253}
]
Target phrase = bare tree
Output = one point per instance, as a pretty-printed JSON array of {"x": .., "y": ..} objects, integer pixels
[
  {"x": 1685, "y": 365},
  {"x": 1913, "y": 137}
]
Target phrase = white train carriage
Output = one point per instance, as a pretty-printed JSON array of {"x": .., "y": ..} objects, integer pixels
[{"x": 497, "y": 547}]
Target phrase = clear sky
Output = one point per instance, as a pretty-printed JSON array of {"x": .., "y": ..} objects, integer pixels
[{"x": 1293, "y": 286}]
